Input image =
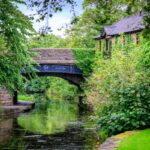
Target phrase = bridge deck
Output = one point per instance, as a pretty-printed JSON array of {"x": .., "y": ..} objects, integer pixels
[{"x": 54, "y": 56}]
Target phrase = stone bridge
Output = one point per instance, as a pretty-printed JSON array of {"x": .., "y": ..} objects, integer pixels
[
  {"x": 59, "y": 63},
  {"x": 50, "y": 62}
]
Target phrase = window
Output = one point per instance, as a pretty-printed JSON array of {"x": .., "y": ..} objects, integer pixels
[{"x": 108, "y": 46}]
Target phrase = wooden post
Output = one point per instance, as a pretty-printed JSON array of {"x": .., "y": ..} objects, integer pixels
[{"x": 15, "y": 98}]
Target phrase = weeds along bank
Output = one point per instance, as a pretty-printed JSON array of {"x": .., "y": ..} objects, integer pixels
[{"x": 119, "y": 89}]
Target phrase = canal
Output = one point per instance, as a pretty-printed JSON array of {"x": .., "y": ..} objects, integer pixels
[{"x": 59, "y": 126}]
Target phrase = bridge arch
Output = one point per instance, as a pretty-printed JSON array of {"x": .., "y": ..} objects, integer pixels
[
  {"x": 70, "y": 73},
  {"x": 56, "y": 62},
  {"x": 59, "y": 62}
]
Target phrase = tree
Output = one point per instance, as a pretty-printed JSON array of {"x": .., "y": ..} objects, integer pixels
[
  {"x": 147, "y": 19},
  {"x": 48, "y": 7},
  {"x": 96, "y": 14},
  {"x": 48, "y": 41},
  {"x": 15, "y": 29}
]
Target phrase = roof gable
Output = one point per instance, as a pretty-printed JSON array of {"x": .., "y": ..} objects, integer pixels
[
  {"x": 125, "y": 25},
  {"x": 128, "y": 24}
]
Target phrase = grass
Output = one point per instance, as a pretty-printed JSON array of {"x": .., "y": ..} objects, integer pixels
[
  {"x": 25, "y": 98},
  {"x": 137, "y": 141}
]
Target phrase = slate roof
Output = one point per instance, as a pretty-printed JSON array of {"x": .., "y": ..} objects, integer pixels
[
  {"x": 125, "y": 25},
  {"x": 53, "y": 56}
]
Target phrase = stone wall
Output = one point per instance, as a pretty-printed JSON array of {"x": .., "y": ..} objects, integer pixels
[
  {"x": 122, "y": 40},
  {"x": 5, "y": 98},
  {"x": 134, "y": 37}
]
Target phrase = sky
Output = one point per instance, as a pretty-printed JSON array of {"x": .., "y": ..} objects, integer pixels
[{"x": 58, "y": 20}]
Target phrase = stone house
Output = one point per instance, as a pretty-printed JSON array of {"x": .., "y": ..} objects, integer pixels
[{"x": 125, "y": 30}]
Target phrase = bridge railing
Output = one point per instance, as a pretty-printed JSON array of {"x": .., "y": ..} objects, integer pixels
[{"x": 54, "y": 68}]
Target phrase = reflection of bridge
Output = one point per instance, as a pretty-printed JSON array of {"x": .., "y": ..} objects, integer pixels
[{"x": 56, "y": 62}]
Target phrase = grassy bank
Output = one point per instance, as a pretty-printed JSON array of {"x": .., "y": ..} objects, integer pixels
[
  {"x": 25, "y": 98},
  {"x": 137, "y": 141}
]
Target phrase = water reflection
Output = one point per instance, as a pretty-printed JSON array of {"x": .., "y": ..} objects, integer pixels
[
  {"x": 57, "y": 128},
  {"x": 54, "y": 120},
  {"x": 5, "y": 129},
  {"x": 10, "y": 139}
]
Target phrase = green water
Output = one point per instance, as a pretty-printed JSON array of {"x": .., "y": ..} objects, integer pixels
[
  {"x": 54, "y": 120},
  {"x": 59, "y": 127}
]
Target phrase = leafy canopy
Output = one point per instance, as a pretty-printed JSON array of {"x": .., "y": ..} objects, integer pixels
[{"x": 15, "y": 29}]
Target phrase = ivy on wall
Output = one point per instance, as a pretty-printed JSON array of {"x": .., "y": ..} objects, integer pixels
[{"x": 85, "y": 60}]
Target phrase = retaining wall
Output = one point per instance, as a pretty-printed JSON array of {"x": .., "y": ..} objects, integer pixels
[{"x": 5, "y": 98}]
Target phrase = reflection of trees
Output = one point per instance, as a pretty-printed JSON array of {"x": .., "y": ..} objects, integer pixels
[
  {"x": 6, "y": 128},
  {"x": 9, "y": 139},
  {"x": 13, "y": 143},
  {"x": 55, "y": 119},
  {"x": 59, "y": 123}
]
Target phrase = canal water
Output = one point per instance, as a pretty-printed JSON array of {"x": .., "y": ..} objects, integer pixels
[{"x": 58, "y": 127}]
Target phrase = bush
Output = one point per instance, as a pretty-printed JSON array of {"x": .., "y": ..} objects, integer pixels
[
  {"x": 131, "y": 110},
  {"x": 85, "y": 60},
  {"x": 53, "y": 87},
  {"x": 119, "y": 90}
]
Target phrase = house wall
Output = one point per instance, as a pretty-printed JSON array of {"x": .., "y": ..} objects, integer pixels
[
  {"x": 5, "y": 98},
  {"x": 134, "y": 37},
  {"x": 113, "y": 42},
  {"x": 121, "y": 40}
]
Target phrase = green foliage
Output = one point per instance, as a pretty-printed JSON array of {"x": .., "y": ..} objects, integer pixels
[
  {"x": 48, "y": 41},
  {"x": 147, "y": 19},
  {"x": 130, "y": 111},
  {"x": 15, "y": 28},
  {"x": 54, "y": 88},
  {"x": 85, "y": 60},
  {"x": 97, "y": 14},
  {"x": 80, "y": 34},
  {"x": 56, "y": 117},
  {"x": 144, "y": 59},
  {"x": 37, "y": 85},
  {"x": 48, "y": 7},
  {"x": 42, "y": 102},
  {"x": 60, "y": 89},
  {"x": 13, "y": 143},
  {"x": 137, "y": 141},
  {"x": 119, "y": 90},
  {"x": 25, "y": 97},
  {"x": 103, "y": 135}
]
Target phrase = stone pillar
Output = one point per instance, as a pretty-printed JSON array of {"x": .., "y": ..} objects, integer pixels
[{"x": 5, "y": 98}]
